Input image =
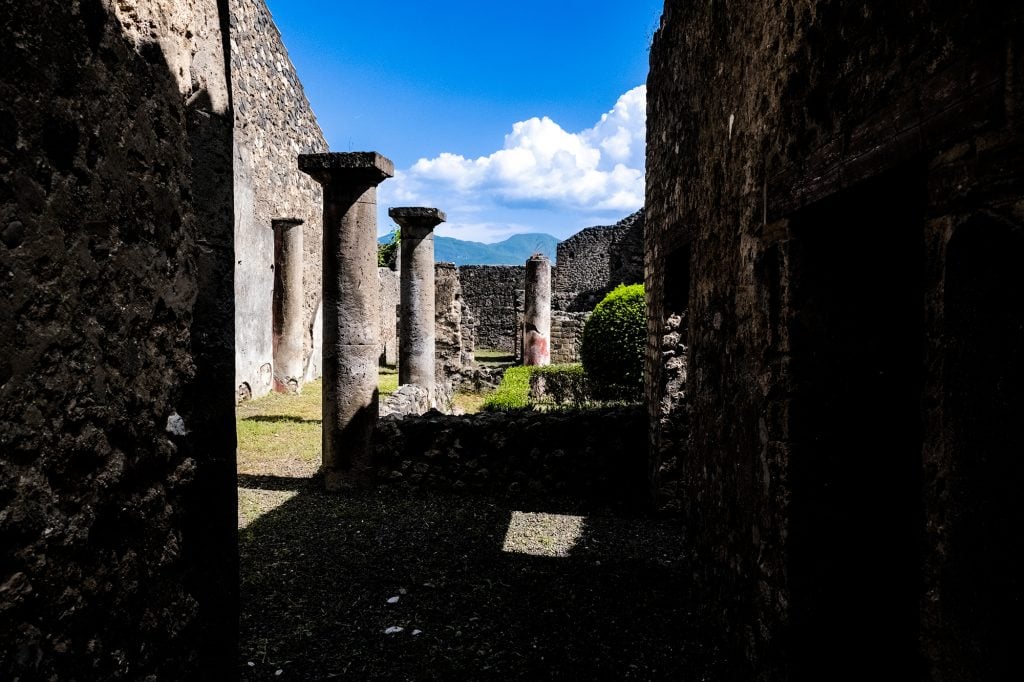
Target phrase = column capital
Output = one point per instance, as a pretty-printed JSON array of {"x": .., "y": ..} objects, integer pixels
[
  {"x": 285, "y": 223},
  {"x": 422, "y": 217},
  {"x": 366, "y": 167}
]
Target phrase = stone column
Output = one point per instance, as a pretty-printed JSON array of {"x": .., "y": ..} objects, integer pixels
[
  {"x": 417, "y": 336},
  {"x": 350, "y": 310},
  {"x": 288, "y": 305},
  {"x": 537, "y": 317}
]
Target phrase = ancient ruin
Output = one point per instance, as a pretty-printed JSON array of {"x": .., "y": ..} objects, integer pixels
[
  {"x": 288, "y": 314},
  {"x": 831, "y": 242},
  {"x": 351, "y": 308},
  {"x": 833, "y": 201},
  {"x": 416, "y": 339},
  {"x": 537, "y": 314}
]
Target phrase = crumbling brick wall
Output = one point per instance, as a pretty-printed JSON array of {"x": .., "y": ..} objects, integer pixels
[
  {"x": 794, "y": 148},
  {"x": 117, "y": 502}
]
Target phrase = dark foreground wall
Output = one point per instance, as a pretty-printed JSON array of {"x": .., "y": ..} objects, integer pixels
[
  {"x": 835, "y": 191},
  {"x": 117, "y": 538}
]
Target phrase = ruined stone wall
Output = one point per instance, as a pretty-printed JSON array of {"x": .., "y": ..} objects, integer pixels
[
  {"x": 595, "y": 260},
  {"x": 566, "y": 336},
  {"x": 588, "y": 455},
  {"x": 117, "y": 495},
  {"x": 273, "y": 125},
  {"x": 490, "y": 291},
  {"x": 390, "y": 295},
  {"x": 818, "y": 168}
]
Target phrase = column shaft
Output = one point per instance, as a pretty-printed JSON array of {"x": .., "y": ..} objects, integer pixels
[
  {"x": 537, "y": 316},
  {"x": 288, "y": 313},
  {"x": 350, "y": 311}
]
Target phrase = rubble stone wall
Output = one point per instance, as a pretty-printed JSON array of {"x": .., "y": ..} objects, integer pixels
[
  {"x": 490, "y": 291},
  {"x": 592, "y": 455},
  {"x": 117, "y": 494},
  {"x": 390, "y": 295},
  {"x": 595, "y": 260},
  {"x": 273, "y": 125},
  {"x": 794, "y": 148}
]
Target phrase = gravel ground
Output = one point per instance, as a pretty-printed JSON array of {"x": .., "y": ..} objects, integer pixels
[{"x": 381, "y": 585}]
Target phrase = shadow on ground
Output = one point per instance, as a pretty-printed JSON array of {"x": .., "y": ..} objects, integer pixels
[{"x": 317, "y": 573}]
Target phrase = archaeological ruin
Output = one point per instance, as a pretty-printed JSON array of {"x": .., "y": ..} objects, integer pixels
[
  {"x": 835, "y": 197},
  {"x": 830, "y": 249}
]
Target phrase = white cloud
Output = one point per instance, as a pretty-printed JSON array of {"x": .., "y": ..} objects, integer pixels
[{"x": 597, "y": 171}]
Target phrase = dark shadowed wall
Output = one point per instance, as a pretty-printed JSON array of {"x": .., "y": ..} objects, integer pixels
[
  {"x": 117, "y": 497},
  {"x": 842, "y": 185}
]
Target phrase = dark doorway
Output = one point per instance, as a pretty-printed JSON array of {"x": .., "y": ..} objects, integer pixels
[
  {"x": 856, "y": 429},
  {"x": 979, "y": 491}
]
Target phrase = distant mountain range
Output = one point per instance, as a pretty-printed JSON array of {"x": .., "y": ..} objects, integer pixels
[{"x": 513, "y": 251}]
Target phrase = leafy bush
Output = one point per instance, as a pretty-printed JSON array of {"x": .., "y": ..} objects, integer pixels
[
  {"x": 613, "y": 344},
  {"x": 562, "y": 384},
  {"x": 513, "y": 393},
  {"x": 388, "y": 252}
]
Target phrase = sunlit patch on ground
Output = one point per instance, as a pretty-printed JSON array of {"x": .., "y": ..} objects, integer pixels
[
  {"x": 252, "y": 504},
  {"x": 540, "y": 534}
]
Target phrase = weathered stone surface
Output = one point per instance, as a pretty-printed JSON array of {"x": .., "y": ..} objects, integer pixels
[
  {"x": 595, "y": 260},
  {"x": 273, "y": 122},
  {"x": 371, "y": 165},
  {"x": 117, "y": 496},
  {"x": 351, "y": 305},
  {"x": 837, "y": 182},
  {"x": 566, "y": 336},
  {"x": 453, "y": 333},
  {"x": 537, "y": 313},
  {"x": 416, "y": 344},
  {"x": 409, "y": 399},
  {"x": 490, "y": 292},
  {"x": 288, "y": 312},
  {"x": 390, "y": 292}
]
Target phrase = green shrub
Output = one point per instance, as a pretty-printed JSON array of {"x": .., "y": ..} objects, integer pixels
[
  {"x": 562, "y": 384},
  {"x": 388, "y": 252},
  {"x": 513, "y": 393},
  {"x": 614, "y": 337}
]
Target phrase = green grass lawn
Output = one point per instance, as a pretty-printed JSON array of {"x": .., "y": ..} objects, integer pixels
[
  {"x": 488, "y": 357},
  {"x": 280, "y": 435}
]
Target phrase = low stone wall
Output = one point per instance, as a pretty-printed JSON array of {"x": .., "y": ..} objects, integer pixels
[
  {"x": 596, "y": 456},
  {"x": 407, "y": 400}
]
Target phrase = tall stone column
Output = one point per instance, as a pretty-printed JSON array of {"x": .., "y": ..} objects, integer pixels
[
  {"x": 537, "y": 317},
  {"x": 350, "y": 310},
  {"x": 288, "y": 305},
  {"x": 416, "y": 334}
]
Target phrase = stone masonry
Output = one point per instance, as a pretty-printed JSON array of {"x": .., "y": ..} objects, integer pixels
[
  {"x": 273, "y": 124},
  {"x": 117, "y": 480},
  {"x": 351, "y": 308},
  {"x": 843, "y": 186},
  {"x": 595, "y": 260},
  {"x": 490, "y": 291}
]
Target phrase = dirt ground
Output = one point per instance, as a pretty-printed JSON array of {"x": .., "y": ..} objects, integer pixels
[{"x": 381, "y": 585}]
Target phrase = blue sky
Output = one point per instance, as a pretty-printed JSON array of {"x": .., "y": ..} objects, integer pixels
[{"x": 511, "y": 117}]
